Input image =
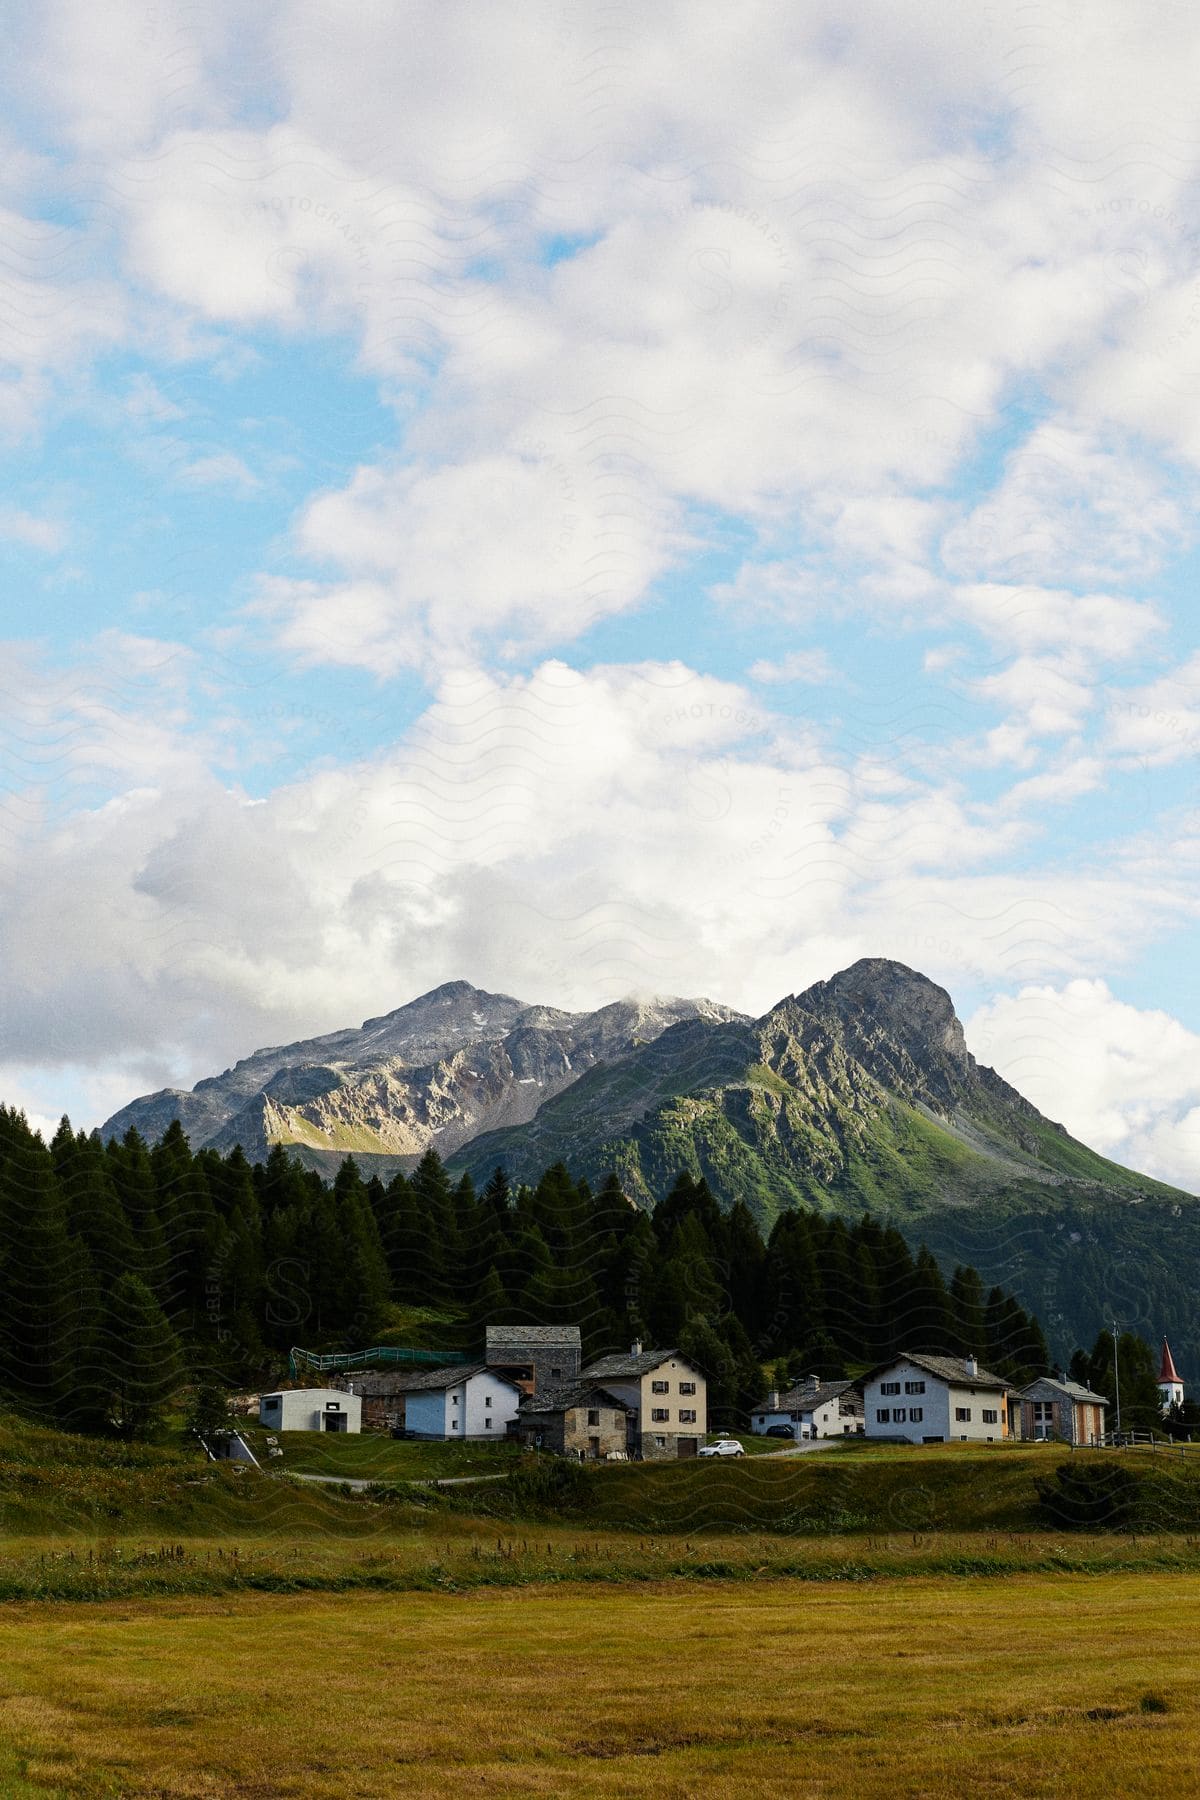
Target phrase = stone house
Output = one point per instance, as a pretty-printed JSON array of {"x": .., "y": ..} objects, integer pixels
[
  {"x": 382, "y": 1394},
  {"x": 665, "y": 1397},
  {"x": 534, "y": 1356},
  {"x": 935, "y": 1400},
  {"x": 581, "y": 1420},
  {"x": 1052, "y": 1408},
  {"x": 813, "y": 1409}
]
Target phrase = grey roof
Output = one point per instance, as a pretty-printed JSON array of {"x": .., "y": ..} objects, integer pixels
[
  {"x": 516, "y": 1337},
  {"x": 806, "y": 1399},
  {"x": 1072, "y": 1388},
  {"x": 572, "y": 1393},
  {"x": 630, "y": 1367},
  {"x": 946, "y": 1368},
  {"x": 435, "y": 1380}
]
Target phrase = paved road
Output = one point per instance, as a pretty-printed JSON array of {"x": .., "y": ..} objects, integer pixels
[{"x": 357, "y": 1484}]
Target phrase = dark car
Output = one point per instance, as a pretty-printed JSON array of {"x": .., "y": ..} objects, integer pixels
[{"x": 779, "y": 1431}]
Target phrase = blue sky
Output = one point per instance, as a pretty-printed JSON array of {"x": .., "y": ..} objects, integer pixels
[{"x": 476, "y": 507}]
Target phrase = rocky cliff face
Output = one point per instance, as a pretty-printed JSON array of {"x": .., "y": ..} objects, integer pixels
[{"x": 440, "y": 1070}]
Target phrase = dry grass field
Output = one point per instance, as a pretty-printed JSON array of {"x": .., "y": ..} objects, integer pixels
[{"x": 1029, "y": 1685}]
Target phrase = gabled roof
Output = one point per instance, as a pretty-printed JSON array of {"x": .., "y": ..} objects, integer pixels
[
  {"x": 1167, "y": 1371},
  {"x": 439, "y": 1380},
  {"x": 571, "y": 1394},
  {"x": 1073, "y": 1389},
  {"x": 516, "y": 1337},
  {"x": 951, "y": 1369},
  {"x": 630, "y": 1367},
  {"x": 806, "y": 1399}
]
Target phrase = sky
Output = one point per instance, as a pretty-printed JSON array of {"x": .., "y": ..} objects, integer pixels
[{"x": 595, "y": 500}]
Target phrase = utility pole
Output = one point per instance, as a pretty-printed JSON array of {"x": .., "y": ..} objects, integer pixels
[{"x": 1117, "y": 1371}]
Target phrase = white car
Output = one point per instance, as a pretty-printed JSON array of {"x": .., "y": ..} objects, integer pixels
[{"x": 722, "y": 1447}]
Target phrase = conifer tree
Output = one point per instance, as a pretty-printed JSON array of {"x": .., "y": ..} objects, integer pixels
[{"x": 142, "y": 1358}]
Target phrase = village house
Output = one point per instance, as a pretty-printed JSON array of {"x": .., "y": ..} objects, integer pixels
[
  {"x": 381, "y": 1392},
  {"x": 665, "y": 1396},
  {"x": 466, "y": 1401},
  {"x": 534, "y": 1356},
  {"x": 581, "y": 1420},
  {"x": 1053, "y": 1408},
  {"x": 935, "y": 1400},
  {"x": 813, "y": 1409},
  {"x": 310, "y": 1409}
]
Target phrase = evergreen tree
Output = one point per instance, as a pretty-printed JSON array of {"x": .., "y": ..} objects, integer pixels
[{"x": 142, "y": 1358}]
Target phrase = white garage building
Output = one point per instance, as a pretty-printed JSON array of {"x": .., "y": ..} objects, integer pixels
[{"x": 310, "y": 1409}]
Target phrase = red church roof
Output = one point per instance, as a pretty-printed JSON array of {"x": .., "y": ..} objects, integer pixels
[{"x": 1167, "y": 1372}]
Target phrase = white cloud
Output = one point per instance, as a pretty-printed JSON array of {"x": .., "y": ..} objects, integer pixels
[
  {"x": 33, "y": 531},
  {"x": 510, "y": 551},
  {"x": 1125, "y": 1080},
  {"x": 223, "y": 469},
  {"x": 811, "y": 667},
  {"x": 1069, "y": 508}
]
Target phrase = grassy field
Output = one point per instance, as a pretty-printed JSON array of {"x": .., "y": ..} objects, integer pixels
[
  {"x": 851, "y": 1488},
  {"x": 924, "y": 1687},
  {"x": 370, "y": 1456}
]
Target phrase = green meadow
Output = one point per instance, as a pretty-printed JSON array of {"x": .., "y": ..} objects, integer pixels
[{"x": 857, "y": 1622}]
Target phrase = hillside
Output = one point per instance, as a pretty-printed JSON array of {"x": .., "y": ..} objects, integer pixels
[{"x": 859, "y": 1092}]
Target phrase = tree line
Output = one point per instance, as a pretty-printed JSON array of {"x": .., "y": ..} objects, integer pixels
[{"x": 125, "y": 1268}]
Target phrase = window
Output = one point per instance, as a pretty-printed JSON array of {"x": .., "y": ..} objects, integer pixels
[
  {"x": 914, "y": 1387},
  {"x": 963, "y": 1414},
  {"x": 454, "y": 1399},
  {"x": 487, "y": 1424},
  {"x": 593, "y": 1415},
  {"x": 916, "y": 1414},
  {"x": 686, "y": 1417},
  {"x": 883, "y": 1416},
  {"x": 900, "y": 1416},
  {"x": 556, "y": 1374},
  {"x": 990, "y": 1416},
  {"x": 660, "y": 1443},
  {"x": 889, "y": 1387},
  {"x": 660, "y": 1415},
  {"x": 660, "y": 1387},
  {"x": 488, "y": 1400},
  {"x": 454, "y": 1424},
  {"x": 687, "y": 1387}
]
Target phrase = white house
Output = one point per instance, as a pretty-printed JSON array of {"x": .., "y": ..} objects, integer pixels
[
  {"x": 310, "y": 1409},
  {"x": 935, "y": 1400},
  {"x": 814, "y": 1409},
  {"x": 466, "y": 1401}
]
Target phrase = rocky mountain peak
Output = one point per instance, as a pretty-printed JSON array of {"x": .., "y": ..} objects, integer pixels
[{"x": 900, "y": 1025}]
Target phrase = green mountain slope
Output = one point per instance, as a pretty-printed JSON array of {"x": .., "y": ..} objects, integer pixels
[{"x": 860, "y": 1094}]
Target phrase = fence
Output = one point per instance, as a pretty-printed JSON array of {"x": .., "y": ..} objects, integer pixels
[{"x": 381, "y": 1356}]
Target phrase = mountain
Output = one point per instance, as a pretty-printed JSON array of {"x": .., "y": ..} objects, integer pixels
[
  {"x": 860, "y": 1094},
  {"x": 438, "y": 1071},
  {"x": 857, "y": 1094}
]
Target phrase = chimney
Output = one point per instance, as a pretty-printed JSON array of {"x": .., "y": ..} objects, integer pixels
[
  {"x": 773, "y": 1400},
  {"x": 812, "y": 1383},
  {"x": 971, "y": 1366},
  {"x": 636, "y": 1347}
]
